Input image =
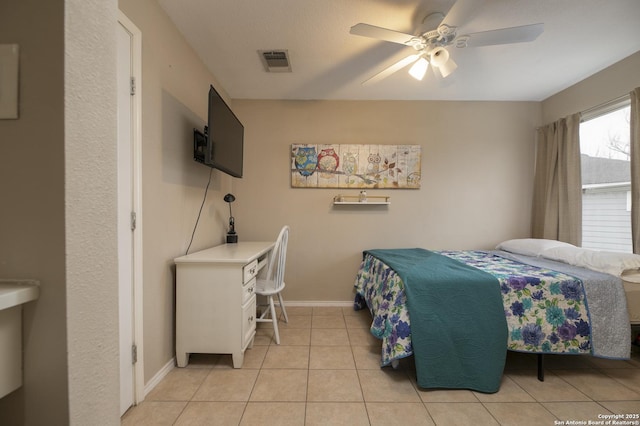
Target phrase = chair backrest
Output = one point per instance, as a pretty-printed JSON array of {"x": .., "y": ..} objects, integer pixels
[{"x": 275, "y": 271}]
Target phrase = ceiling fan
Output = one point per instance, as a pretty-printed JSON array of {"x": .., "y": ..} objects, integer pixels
[{"x": 442, "y": 32}]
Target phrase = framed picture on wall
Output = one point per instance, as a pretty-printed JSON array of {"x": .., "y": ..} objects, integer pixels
[{"x": 355, "y": 166}]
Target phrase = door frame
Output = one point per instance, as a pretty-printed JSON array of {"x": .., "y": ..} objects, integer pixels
[{"x": 136, "y": 122}]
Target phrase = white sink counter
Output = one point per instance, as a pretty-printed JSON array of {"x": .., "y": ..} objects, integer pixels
[
  {"x": 13, "y": 294},
  {"x": 17, "y": 292}
]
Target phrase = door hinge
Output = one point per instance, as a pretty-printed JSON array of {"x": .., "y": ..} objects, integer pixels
[
  {"x": 134, "y": 354},
  {"x": 133, "y": 221},
  {"x": 133, "y": 86}
]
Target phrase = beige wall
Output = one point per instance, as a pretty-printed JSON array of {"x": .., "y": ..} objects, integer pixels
[
  {"x": 174, "y": 101},
  {"x": 610, "y": 83},
  {"x": 477, "y": 171}
]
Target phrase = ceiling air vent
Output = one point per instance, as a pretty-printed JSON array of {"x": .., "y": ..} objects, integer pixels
[{"x": 275, "y": 60}]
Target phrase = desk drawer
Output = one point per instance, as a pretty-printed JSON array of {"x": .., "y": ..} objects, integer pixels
[
  {"x": 248, "y": 321},
  {"x": 250, "y": 270},
  {"x": 248, "y": 290}
]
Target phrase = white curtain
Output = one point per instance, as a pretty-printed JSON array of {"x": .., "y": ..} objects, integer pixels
[
  {"x": 557, "y": 195},
  {"x": 635, "y": 169}
]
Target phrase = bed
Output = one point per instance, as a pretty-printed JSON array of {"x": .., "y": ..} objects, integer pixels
[
  {"x": 546, "y": 297},
  {"x": 632, "y": 290}
]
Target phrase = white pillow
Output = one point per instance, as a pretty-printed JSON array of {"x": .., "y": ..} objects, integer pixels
[
  {"x": 618, "y": 264},
  {"x": 570, "y": 255},
  {"x": 530, "y": 246}
]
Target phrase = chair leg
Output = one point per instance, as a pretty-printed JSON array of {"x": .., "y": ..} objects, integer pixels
[
  {"x": 264, "y": 310},
  {"x": 284, "y": 311},
  {"x": 274, "y": 318}
]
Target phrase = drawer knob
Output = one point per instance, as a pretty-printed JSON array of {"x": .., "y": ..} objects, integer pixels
[{"x": 251, "y": 318}]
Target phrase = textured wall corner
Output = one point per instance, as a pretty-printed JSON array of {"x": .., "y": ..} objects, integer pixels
[{"x": 90, "y": 205}]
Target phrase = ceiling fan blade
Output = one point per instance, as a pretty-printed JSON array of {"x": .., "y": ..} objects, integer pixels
[
  {"x": 460, "y": 12},
  {"x": 379, "y": 33},
  {"x": 521, "y": 34},
  {"x": 393, "y": 68}
]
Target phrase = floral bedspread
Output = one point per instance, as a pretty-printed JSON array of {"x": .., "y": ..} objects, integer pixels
[{"x": 546, "y": 310}]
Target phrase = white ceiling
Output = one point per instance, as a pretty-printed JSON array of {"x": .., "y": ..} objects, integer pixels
[{"x": 581, "y": 37}]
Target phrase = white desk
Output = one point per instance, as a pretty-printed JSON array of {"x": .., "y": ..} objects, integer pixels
[{"x": 216, "y": 301}]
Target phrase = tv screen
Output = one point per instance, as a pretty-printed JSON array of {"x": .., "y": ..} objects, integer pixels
[{"x": 225, "y": 137}]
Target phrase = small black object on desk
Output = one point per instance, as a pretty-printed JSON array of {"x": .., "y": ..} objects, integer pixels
[{"x": 232, "y": 237}]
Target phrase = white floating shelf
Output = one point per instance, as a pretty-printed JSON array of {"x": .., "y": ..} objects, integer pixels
[{"x": 340, "y": 200}]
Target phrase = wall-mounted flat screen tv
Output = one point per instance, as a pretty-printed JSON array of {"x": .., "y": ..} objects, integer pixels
[{"x": 223, "y": 138}]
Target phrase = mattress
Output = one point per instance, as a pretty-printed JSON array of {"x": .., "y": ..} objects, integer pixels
[{"x": 632, "y": 290}]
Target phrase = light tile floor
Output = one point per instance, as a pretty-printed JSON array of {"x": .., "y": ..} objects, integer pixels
[{"x": 326, "y": 372}]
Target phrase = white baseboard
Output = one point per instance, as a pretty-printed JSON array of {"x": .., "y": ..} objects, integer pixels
[{"x": 157, "y": 378}]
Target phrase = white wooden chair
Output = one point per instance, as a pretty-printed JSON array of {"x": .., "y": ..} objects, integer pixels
[{"x": 272, "y": 283}]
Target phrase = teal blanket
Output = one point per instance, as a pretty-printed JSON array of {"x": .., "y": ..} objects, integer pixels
[{"x": 458, "y": 325}]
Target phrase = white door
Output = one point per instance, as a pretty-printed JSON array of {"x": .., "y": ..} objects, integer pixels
[{"x": 128, "y": 232}]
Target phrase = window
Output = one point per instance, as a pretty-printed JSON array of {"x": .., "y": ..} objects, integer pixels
[{"x": 606, "y": 178}]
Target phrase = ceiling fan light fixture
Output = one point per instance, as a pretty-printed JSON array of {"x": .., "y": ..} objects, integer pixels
[
  {"x": 449, "y": 67},
  {"x": 419, "y": 69},
  {"x": 439, "y": 56},
  {"x": 437, "y": 33}
]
